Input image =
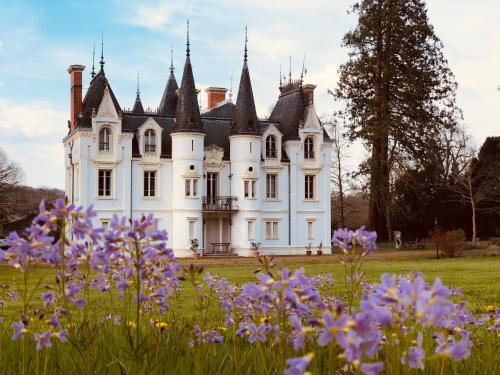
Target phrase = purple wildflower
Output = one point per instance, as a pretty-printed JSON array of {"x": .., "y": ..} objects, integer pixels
[
  {"x": 19, "y": 330},
  {"x": 372, "y": 368},
  {"x": 298, "y": 366},
  {"x": 334, "y": 329},
  {"x": 43, "y": 339}
]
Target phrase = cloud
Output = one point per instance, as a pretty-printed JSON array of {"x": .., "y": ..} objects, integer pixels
[
  {"x": 153, "y": 15},
  {"x": 30, "y": 121},
  {"x": 1, "y": 46}
]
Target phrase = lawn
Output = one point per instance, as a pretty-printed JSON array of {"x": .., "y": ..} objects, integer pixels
[{"x": 109, "y": 350}]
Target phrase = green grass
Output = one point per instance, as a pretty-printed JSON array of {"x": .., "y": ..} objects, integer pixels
[{"x": 478, "y": 275}]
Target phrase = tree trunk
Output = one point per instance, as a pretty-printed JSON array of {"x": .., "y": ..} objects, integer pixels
[{"x": 473, "y": 207}]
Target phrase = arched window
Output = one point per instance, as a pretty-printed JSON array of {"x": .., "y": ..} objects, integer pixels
[
  {"x": 309, "y": 148},
  {"x": 271, "y": 150},
  {"x": 149, "y": 142},
  {"x": 105, "y": 139}
]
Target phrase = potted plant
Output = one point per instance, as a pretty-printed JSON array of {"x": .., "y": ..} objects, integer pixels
[
  {"x": 194, "y": 248},
  {"x": 254, "y": 249},
  {"x": 308, "y": 248},
  {"x": 320, "y": 249}
]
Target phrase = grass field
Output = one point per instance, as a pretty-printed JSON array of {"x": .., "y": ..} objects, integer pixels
[{"x": 477, "y": 274}]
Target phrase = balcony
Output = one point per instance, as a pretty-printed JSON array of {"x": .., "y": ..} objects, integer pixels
[{"x": 220, "y": 204}]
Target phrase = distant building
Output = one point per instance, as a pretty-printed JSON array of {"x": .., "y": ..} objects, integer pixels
[{"x": 222, "y": 176}]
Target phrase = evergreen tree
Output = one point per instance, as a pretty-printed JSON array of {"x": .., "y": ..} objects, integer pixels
[{"x": 398, "y": 90}]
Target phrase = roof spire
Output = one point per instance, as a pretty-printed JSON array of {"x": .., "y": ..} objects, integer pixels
[
  {"x": 245, "y": 116},
  {"x": 290, "y": 70},
  {"x": 171, "y": 58},
  {"x": 138, "y": 108},
  {"x": 187, "y": 114},
  {"x": 246, "y": 49},
  {"x": 92, "y": 73},
  {"x": 102, "y": 52},
  {"x": 187, "y": 40}
]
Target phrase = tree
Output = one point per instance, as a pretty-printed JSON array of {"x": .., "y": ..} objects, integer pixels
[
  {"x": 11, "y": 175},
  {"x": 477, "y": 180},
  {"x": 339, "y": 176},
  {"x": 398, "y": 90}
]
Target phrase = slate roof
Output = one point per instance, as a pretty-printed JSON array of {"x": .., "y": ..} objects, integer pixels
[
  {"x": 225, "y": 110},
  {"x": 187, "y": 114},
  {"x": 168, "y": 103},
  {"x": 138, "y": 108},
  {"x": 245, "y": 115},
  {"x": 289, "y": 110},
  {"x": 93, "y": 98}
]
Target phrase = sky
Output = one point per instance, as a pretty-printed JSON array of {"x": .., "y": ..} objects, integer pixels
[{"x": 40, "y": 39}]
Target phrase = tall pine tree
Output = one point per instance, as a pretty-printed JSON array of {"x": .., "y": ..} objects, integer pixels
[{"x": 398, "y": 90}]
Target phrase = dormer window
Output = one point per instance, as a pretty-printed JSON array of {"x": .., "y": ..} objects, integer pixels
[
  {"x": 271, "y": 150},
  {"x": 149, "y": 142},
  {"x": 309, "y": 148},
  {"x": 105, "y": 139}
]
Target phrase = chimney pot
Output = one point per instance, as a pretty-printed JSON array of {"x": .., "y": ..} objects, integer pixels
[
  {"x": 215, "y": 95},
  {"x": 75, "y": 72}
]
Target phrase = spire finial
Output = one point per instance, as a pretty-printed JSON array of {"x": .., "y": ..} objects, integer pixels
[
  {"x": 187, "y": 40},
  {"x": 303, "y": 69},
  {"x": 246, "y": 42},
  {"x": 290, "y": 71},
  {"x": 281, "y": 82},
  {"x": 92, "y": 73},
  {"x": 171, "y": 58},
  {"x": 138, "y": 91},
  {"x": 102, "y": 52}
]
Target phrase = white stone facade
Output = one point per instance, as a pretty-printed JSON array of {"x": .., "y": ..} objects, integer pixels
[{"x": 284, "y": 221}]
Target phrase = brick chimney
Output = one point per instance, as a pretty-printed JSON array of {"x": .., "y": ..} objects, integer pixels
[
  {"x": 309, "y": 92},
  {"x": 215, "y": 96},
  {"x": 75, "y": 72}
]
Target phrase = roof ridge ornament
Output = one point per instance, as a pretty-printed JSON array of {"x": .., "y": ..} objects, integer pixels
[
  {"x": 171, "y": 59},
  {"x": 92, "y": 73},
  {"x": 187, "y": 40},
  {"x": 245, "y": 56},
  {"x": 102, "y": 52}
]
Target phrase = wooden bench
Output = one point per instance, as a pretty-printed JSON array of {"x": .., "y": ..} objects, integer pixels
[{"x": 220, "y": 247}]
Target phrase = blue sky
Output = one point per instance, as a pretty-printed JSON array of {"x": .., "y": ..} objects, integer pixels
[{"x": 40, "y": 39}]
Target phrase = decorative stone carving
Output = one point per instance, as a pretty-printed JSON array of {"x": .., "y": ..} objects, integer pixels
[{"x": 213, "y": 156}]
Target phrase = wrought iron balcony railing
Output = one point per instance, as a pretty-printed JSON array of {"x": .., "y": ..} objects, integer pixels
[{"x": 220, "y": 203}]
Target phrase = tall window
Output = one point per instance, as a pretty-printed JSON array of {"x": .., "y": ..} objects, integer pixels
[
  {"x": 272, "y": 230},
  {"x": 104, "y": 182},
  {"x": 191, "y": 187},
  {"x": 271, "y": 150},
  {"x": 149, "y": 183},
  {"x": 309, "y": 148},
  {"x": 309, "y": 186},
  {"x": 104, "y": 139},
  {"x": 105, "y": 225},
  {"x": 249, "y": 189},
  {"x": 212, "y": 184},
  {"x": 271, "y": 190},
  {"x": 149, "y": 141}
]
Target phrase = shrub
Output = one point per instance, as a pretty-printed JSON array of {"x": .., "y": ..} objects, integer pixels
[{"x": 453, "y": 243}]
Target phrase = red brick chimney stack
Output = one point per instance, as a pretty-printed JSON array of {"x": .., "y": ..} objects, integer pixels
[
  {"x": 215, "y": 96},
  {"x": 309, "y": 92},
  {"x": 75, "y": 72}
]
